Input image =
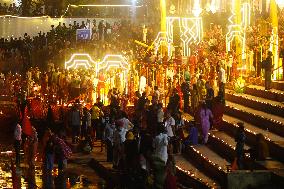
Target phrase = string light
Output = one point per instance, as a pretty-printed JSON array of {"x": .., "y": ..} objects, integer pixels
[
  {"x": 13, "y": 16},
  {"x": 274, "y": 92},
  {"x": 246, "y": 129},
  {"x": 279, "y": 107},
  {"x": 162, "y": 38},
  {"x": 191, "y": 31},
  {"x": 113, "y": 61},
  {"x": 208, "y": 160},
  {"x": 225, "y": 143},
  {"x": 106, "y": 5},
  {"x": 258, "y": 116},
  {"x": 193, "y": 176},
  {"x": 236, "y": 30}
]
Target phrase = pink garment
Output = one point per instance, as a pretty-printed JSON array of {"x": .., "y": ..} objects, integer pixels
[{"x": 205, "y": 115}]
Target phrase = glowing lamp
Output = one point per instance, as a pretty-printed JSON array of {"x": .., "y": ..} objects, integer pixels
[
  {"x": 280, "y": 3},
  {"x": 196, "y": 8}
]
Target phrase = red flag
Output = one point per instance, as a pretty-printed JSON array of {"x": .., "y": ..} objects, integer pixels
[{"x": 27, "y": 126}]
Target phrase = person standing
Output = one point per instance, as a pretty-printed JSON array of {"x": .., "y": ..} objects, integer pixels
[
  {"x": 205, "y": 116},
  {"x": 18, "y": 141},
  {"x": 218, "y": 109},
  {"x": 222, "y": 82},
  {"x": 48, "y": 162},
  {"x": 160, "y": 145},
  {"x": 170, "y": 125},
  {"x": 75, "y": 120},
  {"x": 160, "y": 114},
  {"x": 240, "y": 138},
  {"x": 174, "y": 101},
  {"x": 229, "y": 66},
  {"x": 32, "y": 148},
  {"x": 194, "y": 99},
  {"x": 171, "y": 179},
  {"x": 96, "y": 121},
  {"x": 86, "y": 123},
  {"x": 267, "y": 65},
  {"x": 108, "y": 136},
  {"x": 209, "y": 95},
  {"x": 186, "y": 93},
  {"x": 131, "y": 152},
  {"x": 118, "y": 140}
]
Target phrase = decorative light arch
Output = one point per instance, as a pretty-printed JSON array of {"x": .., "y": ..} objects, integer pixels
[
  {"x": 80, "y": 59},
  {"x": 109, "y": 61},
  {"x": 191, "y": 31}
]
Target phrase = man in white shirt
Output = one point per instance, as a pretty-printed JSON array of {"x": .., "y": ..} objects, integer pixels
[
  {"x": 126, "y": 124},
  {"x": 222, "y": 82},
  {"x": 160, "y": 145},
  {"x": 222, "y": 75},
  {"x": 169, "y": 124},
  {"x": 118, "y": 140}
]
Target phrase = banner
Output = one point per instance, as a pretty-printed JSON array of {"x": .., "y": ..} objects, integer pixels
[{"x": 83, "y": 34}]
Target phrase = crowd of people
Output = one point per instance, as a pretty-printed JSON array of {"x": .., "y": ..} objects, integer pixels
[
  {"x": 6, "y": 9},
  {"x": 57, "y": 45},
  {"x": 140, "y": 140}
]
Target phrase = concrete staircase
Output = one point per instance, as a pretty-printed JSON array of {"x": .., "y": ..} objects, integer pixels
[{"x": 261, "y": 111}]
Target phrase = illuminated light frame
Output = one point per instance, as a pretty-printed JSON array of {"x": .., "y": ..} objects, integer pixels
[
  {"x": 236, "y": 30},
  {"x": 120, "y": 63},
  {"x": 246, "y": 13},
  {"x": 95, "y": 5},
  {"x": 196, "y": 10},
  {"x": 195, "y": 33},
  {"x": 274, "y": 47},
  {"x": 105, "y": 5},
  {"x": 13, "y": 16},
  {"x": 79, "y": 62},
  {"x": 192, "y": 33},
  {"x": 160, "y": 39}
]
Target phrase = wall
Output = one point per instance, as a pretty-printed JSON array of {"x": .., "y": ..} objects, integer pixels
[{"x": 246, "y": 179}]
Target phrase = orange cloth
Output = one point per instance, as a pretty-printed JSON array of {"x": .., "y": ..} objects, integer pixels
[{"x": 27, "y": 126}]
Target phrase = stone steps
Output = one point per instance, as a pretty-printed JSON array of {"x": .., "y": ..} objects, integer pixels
[
  {"x": 257, "y": 103},
  {"x": 275, "y": 142},
  {"x": 186, "y": 167},
  {"x": 209, "y": 162},
  {"x": 259, "y": 91},
  {"x": 225, "y": 145},
  {"x": 279, "y": 85},
  {"x": 273, "y": 123},
  {"x": 188, "y": 176}
]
